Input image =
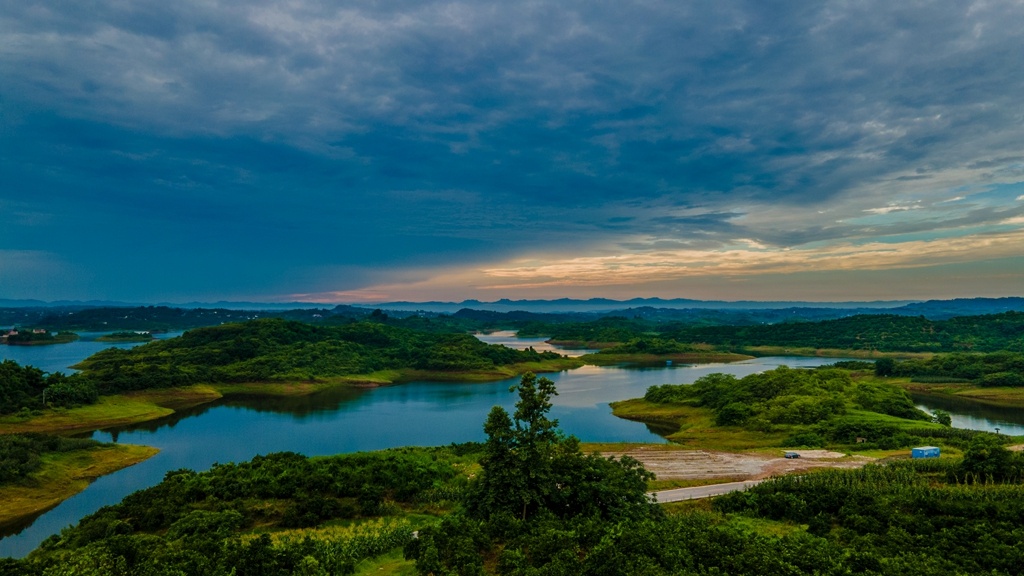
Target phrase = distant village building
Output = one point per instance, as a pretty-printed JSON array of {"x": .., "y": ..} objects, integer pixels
[{"x": 924, "y": 452}]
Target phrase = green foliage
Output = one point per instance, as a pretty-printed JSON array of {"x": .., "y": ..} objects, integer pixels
[
  {"x": 44, "y": 337},
  {"x": 786, "y": 396},
  {"x": 194, "y": 523},
  {"x": 897, "y": 519},
  {"x": 885, "y": 399},
  {"x": 539, "y": 499},
  {"x": 23, "y": 387},
  {"x": 884, "y": 332},
  {"x": 278, "y": 350},
  {"x": 20, "y": 386},
  {"x": 995, "y": 369},
  {"x": 603, "y": 330},
  {"x": 20, "y": 454},
  {"x": 1002, "y": 379},
  {"x": 942, "y": 417},
  {"x": 805, "y": 440},
  {"x": 530, "y": 468},
  {"x": 648, "y": 345},
  {"x": 987, "y": 460},
  {"x": 885, "y": 367}
]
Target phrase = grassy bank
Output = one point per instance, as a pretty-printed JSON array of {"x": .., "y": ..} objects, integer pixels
[
  {"x": 830, "y": 352},
  {"x": 62, "y": 338},
  {"x": 992, "y": 396},
  {"x": 135, "y": 407},
  {"x": 603, "y": 359},
  {"x": 63, "y": 475},
  {"x": 122, "y": 337},
  {"x": 582, "y": 344},
  {"x": 695, "y": 427}
]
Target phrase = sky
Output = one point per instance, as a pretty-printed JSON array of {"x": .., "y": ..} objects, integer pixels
[{"x": 366, "y": 151}]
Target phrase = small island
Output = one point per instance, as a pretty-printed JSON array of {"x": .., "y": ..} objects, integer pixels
[
  {"x": 42, "y": 471},
  {"x": 126, "y": 336},
  {"x": 35, "y": 337}
]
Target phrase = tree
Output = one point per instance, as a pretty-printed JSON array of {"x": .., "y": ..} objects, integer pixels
[
  {"x": 517, "y": 455},
  {"x": 942, "y": 417},
  {"x": 885, "y": 367},
  {"x": 987, "y": 460},
  {"x": 537, "y": 494}
]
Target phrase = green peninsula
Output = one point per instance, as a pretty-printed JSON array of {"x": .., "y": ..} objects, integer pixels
[
  {"x": 259, "y": 357},
  {"x": 126, "y": 336}
]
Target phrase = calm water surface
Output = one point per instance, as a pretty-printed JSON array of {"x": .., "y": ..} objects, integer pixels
[
  {"x": 348, "y": 420},
  {"x": 60, "y": 357},
  {"x": 509, "y": 338},
  {"x": 975, "y": 416}
]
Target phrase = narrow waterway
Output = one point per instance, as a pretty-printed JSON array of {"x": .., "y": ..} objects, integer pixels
[
  {"x": 416, "y": 413},
  {"x": 347, "y": 420}
]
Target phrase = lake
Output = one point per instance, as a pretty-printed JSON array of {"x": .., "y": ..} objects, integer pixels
[
  {"x": 975, "y": 416},
  {"x": 60, "y": 357},
  {"x": 349, "y": 420}
]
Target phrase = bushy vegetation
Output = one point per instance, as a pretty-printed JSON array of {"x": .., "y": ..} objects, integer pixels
[
  {"x": 787, "y": 396},
  {"x": 29, "y": 337},
  {"x": 22, "y": 388},
  {"x": 279, "y": 350},
  {"x": 648, "y": 345},
  {"x": 539, "y": 501},
  {"x": 909, "y": 517},
  {"x": 525, "y": 494},
  {"x": 815, "y": 407},
  {"x": 20, "y": 454},
  {"x": 231, "y": 519},
  {"x": 995, "y": 369},
  {"x": 882, "y": 332},
  {"x": 600, "y": 331},
  {"x": 528, "y": 502},
  {"x": 879, "y": 332}
]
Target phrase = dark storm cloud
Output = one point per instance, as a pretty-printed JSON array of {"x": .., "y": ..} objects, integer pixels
[{"x": 320, "y": 134}]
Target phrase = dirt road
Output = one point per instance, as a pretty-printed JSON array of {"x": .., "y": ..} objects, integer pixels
[
  {"x": 696, "y": 492},
  {"x": 674, "y": 464}
]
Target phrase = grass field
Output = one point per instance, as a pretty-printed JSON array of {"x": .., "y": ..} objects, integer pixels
[
  {"x": 63, "y": 475},
  {"x": 145, "y": 405}
]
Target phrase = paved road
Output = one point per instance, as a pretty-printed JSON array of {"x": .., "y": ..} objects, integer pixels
[{"x": 679, "y": 494}]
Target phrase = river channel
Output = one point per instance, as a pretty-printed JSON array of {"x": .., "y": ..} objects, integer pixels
[{"x": 349, "y": 420}]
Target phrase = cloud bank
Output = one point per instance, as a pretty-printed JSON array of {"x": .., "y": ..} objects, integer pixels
[{"x": 265, "y": 150}]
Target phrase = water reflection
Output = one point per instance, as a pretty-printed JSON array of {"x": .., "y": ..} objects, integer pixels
[
  {"x": 508, "y": 338},
  {"x": 975, "y": 416},
  {"x": 349, "y": 420},
  {"x": 60, "y": 357}
]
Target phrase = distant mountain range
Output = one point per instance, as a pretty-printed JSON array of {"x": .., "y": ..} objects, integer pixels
[
  {"x": 935, "y": 309},
  {"x": 930, "y": 308},
  {"x": 602, "y": 306},
  {"x": 607, "y": 305}
]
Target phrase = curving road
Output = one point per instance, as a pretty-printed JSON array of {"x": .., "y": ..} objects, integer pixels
[{"x": 697, "y": 492}]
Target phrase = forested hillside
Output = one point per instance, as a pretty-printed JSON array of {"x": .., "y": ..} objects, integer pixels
[
  {"x": 280, "y": 350},
  {"x": 882, "y": 332},
  {"x": 873, "y": 332},
  {"x": 529, "y": 502}
]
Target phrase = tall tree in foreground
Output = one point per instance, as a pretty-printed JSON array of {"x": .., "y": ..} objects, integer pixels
[{"x": 537, "y": 498}]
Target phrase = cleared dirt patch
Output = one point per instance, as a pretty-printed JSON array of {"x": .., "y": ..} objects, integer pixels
[{"x": 711, "y": 465}]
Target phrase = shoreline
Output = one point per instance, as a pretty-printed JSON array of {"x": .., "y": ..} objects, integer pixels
[
  {"x": 1000, "y": 397},
  {"x": 140, "y": 406},
  {"x": 62, "y": 476}
]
